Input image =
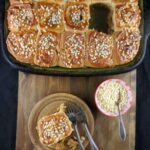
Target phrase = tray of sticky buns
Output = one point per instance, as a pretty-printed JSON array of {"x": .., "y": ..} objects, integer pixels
[{"x": 73, "y": 37}]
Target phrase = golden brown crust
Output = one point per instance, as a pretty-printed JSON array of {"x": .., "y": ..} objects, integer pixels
[
  {"x": 127, "y": 15},
  {"x": 100, "y": 1},
  {"x": 19, "y": 1},
  {"x": 49, "y": 16},
  {"x": 53, "y": 128},
  {"x": 48, "y": 45},
  {"x": 79, "y": 1},
  {"x": 22, "y": 45},
  {"x": 99, "y": 50},
  {"x": 52, "y": 1},
  {"x": 72, "y": 54},
  {"x": 33, "y": 1},
  {"x": 123, "y": 1},
  {"x": 76, "y": 16},
  {"x": 20, "y": 17},
  {"x": 127, "y": 44}
]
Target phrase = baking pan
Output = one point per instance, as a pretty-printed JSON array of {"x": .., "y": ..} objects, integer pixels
[{"x": 65, "y": 71}]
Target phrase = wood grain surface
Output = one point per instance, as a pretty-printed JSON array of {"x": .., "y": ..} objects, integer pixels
[{"x": 32, "y": 88}]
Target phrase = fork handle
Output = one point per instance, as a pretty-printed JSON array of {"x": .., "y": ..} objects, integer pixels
[
  {"x": 78, "y": 137},
  {"x": 92, "y": 143}
]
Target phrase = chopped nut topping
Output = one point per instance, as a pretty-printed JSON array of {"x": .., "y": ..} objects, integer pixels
[
  {"x": 23, "y": 44},
  {"x": 127, "y": 42},
  {"x": 53, "y": 128},
  {"x": 50, "y": 15},
  {"x": 47, "y": 42},
  {"x": 128, "y": 15},
  {"x": 77, "y": 16},
  {"x": 100, "y": 46},
  {"x": 45, "y": 49},
  {"x": 20, "y": 16},
  {"x": 108, "y": 96},
  {"x": 74, "y": 46}
]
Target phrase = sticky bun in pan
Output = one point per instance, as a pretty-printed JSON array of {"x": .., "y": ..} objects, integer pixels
[{"x": 58, "y": 33}]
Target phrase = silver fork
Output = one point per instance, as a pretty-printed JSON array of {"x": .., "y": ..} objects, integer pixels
[
  {"x": 70, "y": 110},
  {"x": 81, "y": 118}
]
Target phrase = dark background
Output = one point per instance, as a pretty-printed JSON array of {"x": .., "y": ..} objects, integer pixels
[{"x": 8, "y": 99}]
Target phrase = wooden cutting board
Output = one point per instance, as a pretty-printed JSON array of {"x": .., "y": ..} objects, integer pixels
[{"x": 32, "y": 88}]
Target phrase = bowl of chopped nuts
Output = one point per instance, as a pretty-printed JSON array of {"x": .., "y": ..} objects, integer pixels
[{"x": 112, "y": 92}]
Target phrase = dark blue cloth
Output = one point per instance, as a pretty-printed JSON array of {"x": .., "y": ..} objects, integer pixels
[
  {"x": 8, "y": 100},
  {"x": 8, "y": 105},
  {"x": 143, "y": 94}
]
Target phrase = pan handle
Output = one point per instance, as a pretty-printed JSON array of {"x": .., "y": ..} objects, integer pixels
[
  {"x": 146, "y": 28},
  {"x": 147, "y": 23}
]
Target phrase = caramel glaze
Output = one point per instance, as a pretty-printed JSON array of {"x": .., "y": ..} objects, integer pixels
[{"x": 54, "y": 33}]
